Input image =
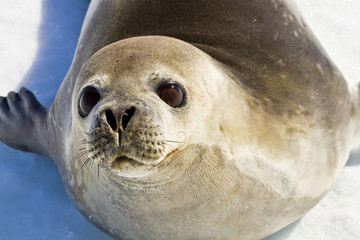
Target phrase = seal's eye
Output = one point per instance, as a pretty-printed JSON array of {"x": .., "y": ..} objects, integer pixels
[
  {"x": 172, "y": 94},
  {"x": 88, "y": 99}
]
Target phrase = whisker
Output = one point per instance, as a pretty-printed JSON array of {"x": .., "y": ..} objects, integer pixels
[
  {"x": 98, "y": 170},
  {"x": 181, "y": 132},
  {"x": 173, "y": 141},
  {"x": 166, "y": 144},
  {"x": 84, "y": 163},
  {"x": 81, "y": 154}
]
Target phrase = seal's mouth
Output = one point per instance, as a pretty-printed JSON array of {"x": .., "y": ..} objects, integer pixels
[
  {"x": 124, "y": 162},
  {"x": 129, "y": 167}
]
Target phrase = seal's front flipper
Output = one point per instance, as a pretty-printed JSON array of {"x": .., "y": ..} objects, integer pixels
[{"x": 23, "y": 122}]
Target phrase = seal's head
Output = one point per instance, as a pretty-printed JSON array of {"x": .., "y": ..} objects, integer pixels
[
  {"x": 140, "y": 100},
  {"x": 150, "y": 135},
  {"x": 163, "y": 143}
]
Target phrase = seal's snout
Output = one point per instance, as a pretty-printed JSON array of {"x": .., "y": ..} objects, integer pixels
[
  {"x": 132, "y": 133},
  {"x": 125, "y": 117},
  {"x": 110, "y": 119}
]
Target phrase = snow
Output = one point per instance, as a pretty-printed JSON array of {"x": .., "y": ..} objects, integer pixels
[{"x": 37, "y": 42}]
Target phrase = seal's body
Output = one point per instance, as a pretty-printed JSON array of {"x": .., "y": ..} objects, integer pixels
[{"x": 192, "y": 119}]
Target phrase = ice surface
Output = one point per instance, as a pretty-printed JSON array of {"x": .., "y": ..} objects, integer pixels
[{"x": 37, "y": 42}]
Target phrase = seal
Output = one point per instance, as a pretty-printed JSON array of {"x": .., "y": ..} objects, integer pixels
[{"x": 192, "y": 119}]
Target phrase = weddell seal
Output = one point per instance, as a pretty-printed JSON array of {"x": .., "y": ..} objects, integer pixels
[{"x": 192, "y": 119}]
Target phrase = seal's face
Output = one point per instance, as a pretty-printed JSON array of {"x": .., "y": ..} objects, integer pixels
[
  {"x": 136, "y": 104},
  {"x": 162, "y": 143},
  {"x": 148, "y": 140}
]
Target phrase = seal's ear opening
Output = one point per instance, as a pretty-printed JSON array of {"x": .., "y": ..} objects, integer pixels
[{"x": 87, "y": 101}]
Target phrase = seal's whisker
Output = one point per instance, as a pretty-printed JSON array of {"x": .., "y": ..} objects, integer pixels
[
  {"x": 85, "y": 163},
  {"x": 98, "y": 170},
  {"x": 181, "y": 132},
  {"x": 173, "y": 141},
  {"x": 81, "y": 154},
  {"x": 169, "y": 143}
]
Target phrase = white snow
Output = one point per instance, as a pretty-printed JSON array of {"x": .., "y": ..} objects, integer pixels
[
  {"x": 37, "y": 41},
  {"x": 16, "y": 58}
]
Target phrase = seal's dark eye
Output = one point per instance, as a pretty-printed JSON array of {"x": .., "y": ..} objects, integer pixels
[
  {"x": 172, "y": 94},
  {"x": 88, "y": 100}
]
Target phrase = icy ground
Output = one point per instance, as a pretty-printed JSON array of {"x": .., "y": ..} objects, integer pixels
[{"x": 37, "y": 41}]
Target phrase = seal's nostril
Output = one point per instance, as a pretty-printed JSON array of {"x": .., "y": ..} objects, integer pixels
[
  {"x": 128, "y": 114},
  {"x": 110, "y": 118}
]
